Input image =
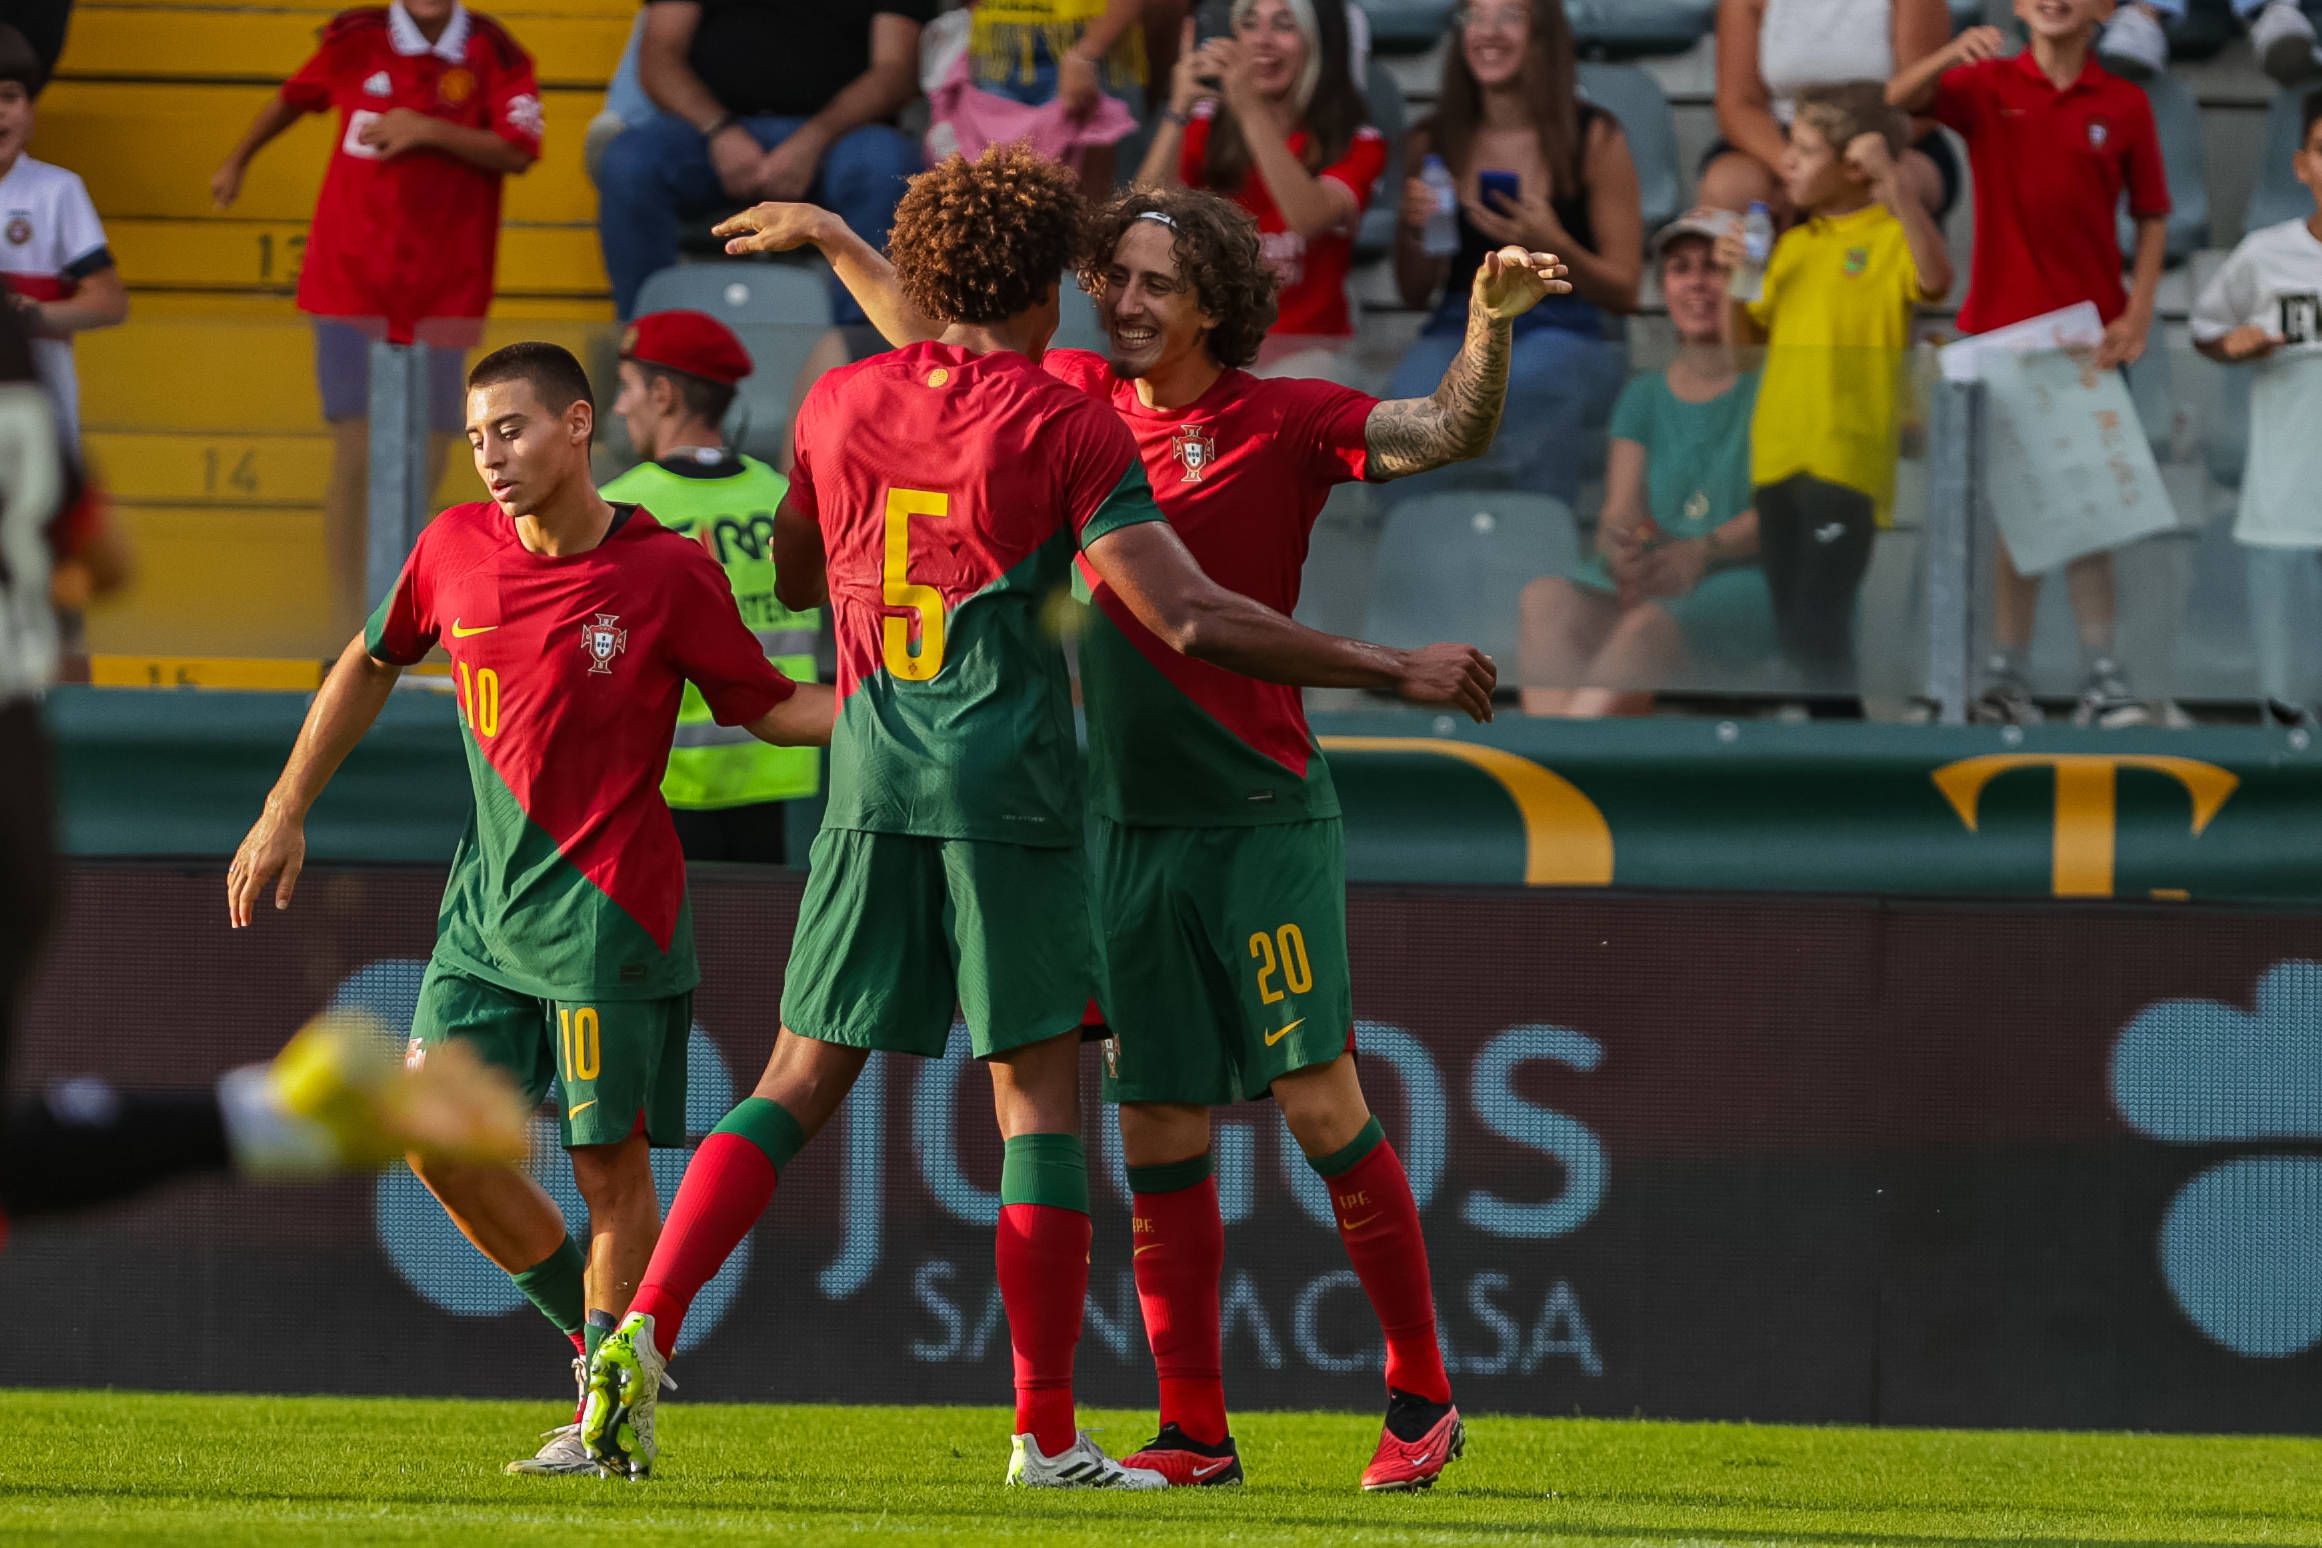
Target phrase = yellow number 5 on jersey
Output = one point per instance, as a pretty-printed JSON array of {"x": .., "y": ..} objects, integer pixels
[{"x": 900, "y": 591}]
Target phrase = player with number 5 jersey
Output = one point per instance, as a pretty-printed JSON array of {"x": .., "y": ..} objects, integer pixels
[
  {"x": 564, "y": 946},
  {"x": 940, "y": 494}
]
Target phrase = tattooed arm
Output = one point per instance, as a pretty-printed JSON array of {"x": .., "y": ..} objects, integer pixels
[{"x": 1416, "y": 435}]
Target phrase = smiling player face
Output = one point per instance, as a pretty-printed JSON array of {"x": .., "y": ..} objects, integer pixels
[
  {"x": 1152, "y": 315},
  {"x": 525, "y": 454}
]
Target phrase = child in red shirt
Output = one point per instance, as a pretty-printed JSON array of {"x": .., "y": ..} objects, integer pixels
[
  {"x": 2055, "y": 141},
  {"x": 436, "y": 106}
]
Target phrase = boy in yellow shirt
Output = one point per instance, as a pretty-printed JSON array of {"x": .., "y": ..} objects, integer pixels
[{"x": 1835, "y": 317}]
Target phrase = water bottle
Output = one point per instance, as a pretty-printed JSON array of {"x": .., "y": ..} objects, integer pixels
[
  {"x": 1749, "y": 281},
  {"x": 1439, "y": 238}
]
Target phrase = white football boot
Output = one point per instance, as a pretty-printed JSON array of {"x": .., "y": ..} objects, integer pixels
[{"x": 1081, "y": 1465}]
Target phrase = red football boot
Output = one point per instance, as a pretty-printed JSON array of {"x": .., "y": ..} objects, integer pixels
[
  {"x": 1416, "y": 1464},
  {"x": 1186, "y": 1462}
]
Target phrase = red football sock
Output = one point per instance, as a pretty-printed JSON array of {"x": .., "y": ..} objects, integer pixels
[
  {"x": 726, "y": 1188},
  {"x": 1378, "y": 1220},
  {"x": 580, "y": 1344},
  {"x": 1178, "y": 1253},
  {"x": 1042, "y": 1255}
]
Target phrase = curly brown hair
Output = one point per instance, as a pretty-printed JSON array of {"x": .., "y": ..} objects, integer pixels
[
  {"x": 982, "y": 241},
  {"x": 1216, "y": 247}
]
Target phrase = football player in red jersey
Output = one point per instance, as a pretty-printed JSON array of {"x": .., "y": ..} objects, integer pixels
[
  {"x": 564, "y": 948},
  {"x": 940, "y": 496},
  {"x": 1220, "y": 870}
]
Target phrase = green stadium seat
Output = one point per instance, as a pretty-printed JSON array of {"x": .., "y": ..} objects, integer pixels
[
  {"x": 1633, "y": 29},
  {"x": 1636, "y": 99},
  {"x": 2177, "y": 115},
  {"x": 778, "y": 310},
  {"x": 1452, "y": 565}
]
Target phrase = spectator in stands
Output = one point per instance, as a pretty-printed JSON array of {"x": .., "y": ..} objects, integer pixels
[
  {"x": 2281, "y": 33},
  {"x": 1271, "y": 118},
  {"x": 1835, "y": 316},
  {"x": 1510, "y": 111},
  {"x": 1674, "y": 573},
  {"x": 1770, "y": 50},
  {"x": 58, "y": 270},
  {"x": 2055, "y": 141},
  {"x": 2264, "y": 309},
  {"x": 760, "y": 99},
  {"x": 436, "y": 105},
  {"x": 1065, "y": 76},
  {"x": 728, "y": 792}
]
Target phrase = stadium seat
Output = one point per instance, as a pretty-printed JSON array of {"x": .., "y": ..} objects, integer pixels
[
  {"x": 2207, "y": 27},
  {"x": 1391, "y": 115},
  {"x": 779, "y": 310},
  {"x": 2277, "y": 195},
  {"x": 2178, "y": 117},
  {"x": 1406, "y": 26},
  {"x": 1636, "y": 99},
  {"x": 1076, "y": 320},
  {"x": 1451, "y": 566},
  {"x": 1633, "y": 29}
]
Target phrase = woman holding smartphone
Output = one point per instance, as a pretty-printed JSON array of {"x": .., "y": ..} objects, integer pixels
[
  {"x": 1532, "y": 164},
  {"x": 1269, "y": 116}
]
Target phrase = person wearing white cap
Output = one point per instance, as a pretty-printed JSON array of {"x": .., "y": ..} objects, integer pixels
[{"x": 1675, "y": 571}]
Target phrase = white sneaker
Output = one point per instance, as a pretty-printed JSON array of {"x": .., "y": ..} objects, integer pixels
[
  {"x": 616, "y": 1424},
  {"x": 2134, "y": 45},
  {"x": 2283, "y": 40},
  {"x": 562, "y": 1455},
  {"x": 1081, "y": 1465}
]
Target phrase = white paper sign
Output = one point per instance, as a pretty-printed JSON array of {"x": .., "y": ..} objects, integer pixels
[{"x": 2070, "y": 471}]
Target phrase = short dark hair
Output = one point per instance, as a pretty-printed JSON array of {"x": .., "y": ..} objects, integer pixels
[
  {"x": 1215, "y": 242},
  {"x": 20, "y": 62},
  {"x": 556, "y": 377},
  {"x": 982, "y": 241},
  {"x": 702, "y": 397},
  {"x": 2310, "y": 113}
]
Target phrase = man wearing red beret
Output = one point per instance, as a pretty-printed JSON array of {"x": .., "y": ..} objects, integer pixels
[{"x": 678, "y": 374}]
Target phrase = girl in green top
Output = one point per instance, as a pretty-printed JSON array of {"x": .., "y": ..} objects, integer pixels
[{"x": 1674, "y": 575}]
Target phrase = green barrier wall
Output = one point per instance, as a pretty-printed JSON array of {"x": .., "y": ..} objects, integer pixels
[{"x": 1693, "y": 805}]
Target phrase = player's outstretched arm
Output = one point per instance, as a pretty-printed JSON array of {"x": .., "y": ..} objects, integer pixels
[
  {"x": 862, "y": 268},
  {"x": 1417, "y": 435},
  {"x": 1149, "y": 568},
  {"x": 274, "y": 851},
  {"x": 802, "y": 720}
]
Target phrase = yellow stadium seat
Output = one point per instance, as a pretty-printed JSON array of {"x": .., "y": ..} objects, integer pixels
[
  {"x": 214, "y": 582},
  {"x": 235, "y": 255},
  {"x": 575, "y": 48},
  {"x": 258, "y": 470},
  {"x": 147, "y": 150}
]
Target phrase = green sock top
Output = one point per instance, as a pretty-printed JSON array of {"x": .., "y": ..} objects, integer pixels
[
  {"x": 1350, "y": 1155},
  {"x": 554, "y": 1285},
  {"x": 1047, "y": 1169},
  {"x": 768, "y": 1125},
  {"x": 1170, "y": 1176}
]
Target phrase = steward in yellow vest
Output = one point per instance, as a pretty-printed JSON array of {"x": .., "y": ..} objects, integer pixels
[{"x": 678, "y": 374}]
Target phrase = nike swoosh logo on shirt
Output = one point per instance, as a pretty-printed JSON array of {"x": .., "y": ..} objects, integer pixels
[
  {"x": 584, "y": 1107},
  {"x": 1275, "y": 1037},
  {"x": 459, "y": 633},
  {"x": 1204, "y": 1472},
  {"x": 1356, "y": 1225},
  {"x": 1140, "y": 1252}
]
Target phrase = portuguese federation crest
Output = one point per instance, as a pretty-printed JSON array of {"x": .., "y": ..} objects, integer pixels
[
  {"x": 1196, "y": 449},
  {"x": 604, "y": 639}
]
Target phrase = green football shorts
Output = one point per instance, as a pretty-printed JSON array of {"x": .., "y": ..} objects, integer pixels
[
  {"x": 612, "y": 1059},
  {"x": 1225, "y": 962},
  {"x": 896, "y": 930}
]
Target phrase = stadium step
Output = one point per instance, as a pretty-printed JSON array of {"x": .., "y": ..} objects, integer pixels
[
  {"x": 577, "y": 47},
  {"x": 240, "y": 471},
  {"x": 263, "y": 255},
  {"x": 113, "y": 133},
  {"x": 214, "y": 582}
]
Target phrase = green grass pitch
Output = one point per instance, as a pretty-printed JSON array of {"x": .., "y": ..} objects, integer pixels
[{"x": 115, "y": 1466}]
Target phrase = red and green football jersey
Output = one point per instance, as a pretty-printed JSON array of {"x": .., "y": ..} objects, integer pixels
[
  {"x": 568, "y": 883},
  {"x": 952, "y": 489},
  {"x": 1241, "y": 473}
]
